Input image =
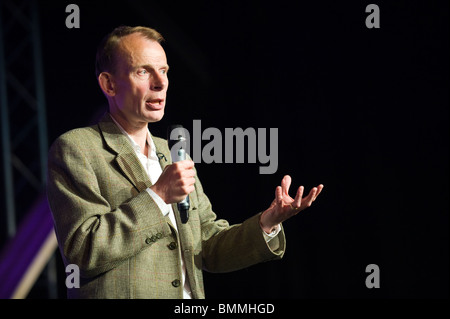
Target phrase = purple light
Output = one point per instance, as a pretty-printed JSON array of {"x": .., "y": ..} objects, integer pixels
[{"x": 20, "y": 251}]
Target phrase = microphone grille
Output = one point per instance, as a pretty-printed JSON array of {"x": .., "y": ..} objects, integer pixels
[{"x": 175, "y": 133}]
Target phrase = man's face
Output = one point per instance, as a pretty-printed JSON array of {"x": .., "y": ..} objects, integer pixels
[{"x": 140, "y": 80}]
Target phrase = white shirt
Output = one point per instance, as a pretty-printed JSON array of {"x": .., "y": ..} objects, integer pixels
[{"x": 153, "y": 169}]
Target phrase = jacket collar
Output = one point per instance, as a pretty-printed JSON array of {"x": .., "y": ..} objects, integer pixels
[
  {"x": 126, "y": 157},
  {"x": 112, "y": 135}
]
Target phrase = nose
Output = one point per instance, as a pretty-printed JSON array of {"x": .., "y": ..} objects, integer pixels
[{"x": 158, "y": 81}]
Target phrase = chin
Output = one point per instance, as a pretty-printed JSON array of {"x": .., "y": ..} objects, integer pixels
[{"x": 155, "y": 117}]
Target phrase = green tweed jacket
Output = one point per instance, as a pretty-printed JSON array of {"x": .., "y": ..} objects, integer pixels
[{"x": 110, "y": 227}]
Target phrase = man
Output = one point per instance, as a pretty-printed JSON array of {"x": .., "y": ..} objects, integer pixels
[{"x": 114, "y": 201}]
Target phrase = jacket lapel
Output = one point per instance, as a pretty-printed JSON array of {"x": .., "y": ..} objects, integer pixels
[
  {"x": 162, "y": 151},
  {"x": 126, "y": 157}
]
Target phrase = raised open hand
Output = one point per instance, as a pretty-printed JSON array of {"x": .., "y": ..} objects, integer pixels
[{"x": 284, "y": 206}]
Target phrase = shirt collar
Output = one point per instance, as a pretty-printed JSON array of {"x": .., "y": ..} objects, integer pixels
[{"x": 136, "y": 147}]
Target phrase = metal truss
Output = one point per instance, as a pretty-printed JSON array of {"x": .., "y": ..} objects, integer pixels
[{"x": 23, "y": 112}]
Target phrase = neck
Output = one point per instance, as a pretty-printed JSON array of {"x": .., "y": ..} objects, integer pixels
[{"x": 137, "y": 130}]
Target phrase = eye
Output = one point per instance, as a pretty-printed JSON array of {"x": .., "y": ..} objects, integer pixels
[{"x": 142, "y": 72}]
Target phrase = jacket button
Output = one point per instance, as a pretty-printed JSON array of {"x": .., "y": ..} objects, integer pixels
[
  {"x": 173, "y": 245},
  {"x": 159, "y": 235},
  {"x": 148, "y": 241},
  {"x": 176, "y": 283}
]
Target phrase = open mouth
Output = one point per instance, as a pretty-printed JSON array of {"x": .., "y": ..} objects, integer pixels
[{"x": 155, "y": 104}]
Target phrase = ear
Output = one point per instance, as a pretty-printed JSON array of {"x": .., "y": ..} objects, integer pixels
[{"x": 105, "y": 80}]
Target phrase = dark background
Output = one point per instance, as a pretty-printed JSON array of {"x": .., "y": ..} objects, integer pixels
[{"x": 363, "y": 111}]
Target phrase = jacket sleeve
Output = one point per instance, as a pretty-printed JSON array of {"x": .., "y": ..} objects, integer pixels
[
  {"x": 228, "y": 248},
  {"x": 92, "y": 234}
]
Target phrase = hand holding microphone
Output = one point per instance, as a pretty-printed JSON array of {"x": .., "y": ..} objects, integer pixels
[{"x": 177, "y": 180}]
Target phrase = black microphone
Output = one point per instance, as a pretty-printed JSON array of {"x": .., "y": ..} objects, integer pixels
[{"x": 177, "y": 143}]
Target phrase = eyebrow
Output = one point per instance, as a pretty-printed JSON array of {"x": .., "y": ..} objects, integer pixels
[{"x": 148, "y": 66}]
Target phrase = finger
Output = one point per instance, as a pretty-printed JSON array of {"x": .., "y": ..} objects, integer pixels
[
  {"x": 189, "y": 164},
  {"x": 278, "y": 195},
  {"x": 187, "y": 186},
  {"x": 189, "y": 173},
  {"x": 311, "y": 194},
  {"x": 185, "y": 164},
  {"x": 285, "y": 184},
  {"x": 190, "y": 181},
  {"x": 189, "y": 189},
  {"x": 307, "y": 201},
  {"x": 319, "y": 189},
  {"x": 298, "y": 197}
]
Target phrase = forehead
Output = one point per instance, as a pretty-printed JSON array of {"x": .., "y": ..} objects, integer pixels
[{"x": 136, "y": 50}]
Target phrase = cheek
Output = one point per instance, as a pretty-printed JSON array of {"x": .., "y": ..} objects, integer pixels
[
  {"x": 142, "y": 87},
  {"x": 139, "y": 89}
]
